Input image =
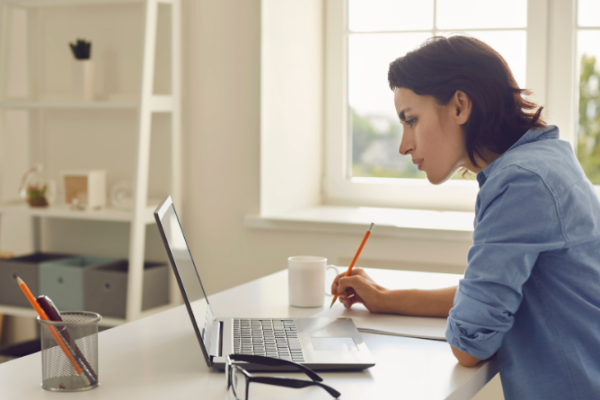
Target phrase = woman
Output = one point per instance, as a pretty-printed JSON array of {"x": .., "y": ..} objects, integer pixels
[{"x": 531, "y": 291}]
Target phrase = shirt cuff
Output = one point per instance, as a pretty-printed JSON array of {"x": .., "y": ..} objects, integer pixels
[
  {"x": 475, "y": 327},
  {"x": 471, "y": 339}
]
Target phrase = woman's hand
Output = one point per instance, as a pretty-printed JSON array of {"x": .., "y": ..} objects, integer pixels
[{"x": 359, "y": 288}]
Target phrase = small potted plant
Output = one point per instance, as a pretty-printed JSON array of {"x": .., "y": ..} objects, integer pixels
[
  {"x": 83, "y": 70},
  {"x": 34, "y": 188},
  {"x": 36, "y": 195}
]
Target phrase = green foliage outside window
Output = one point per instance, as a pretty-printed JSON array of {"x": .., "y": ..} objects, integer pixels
[
  {"x": 375, "y": 150},
  {"x": 375, "y": 145},
  {"x": 376, "y": 140},
  {"x": 588, "y": 138}
]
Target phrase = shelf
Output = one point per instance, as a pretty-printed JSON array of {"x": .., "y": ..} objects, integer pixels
[
  {"x": 106, "y": 214},
  {"x": 30, "y": 312},
  {"x": 156, "y": 104},
  {"x": 97, "y": 105},
  {"x": 65, "y": 3},
  {"x": 106, "y": 321}
]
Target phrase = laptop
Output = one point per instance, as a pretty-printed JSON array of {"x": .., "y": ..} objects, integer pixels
[{"x": 318, "y": 343}]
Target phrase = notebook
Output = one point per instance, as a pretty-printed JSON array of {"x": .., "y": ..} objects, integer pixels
[{"x": 389, "y": 324}]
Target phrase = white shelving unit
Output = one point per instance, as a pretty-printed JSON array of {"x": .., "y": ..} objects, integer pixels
[
  {"x": 145, "y": 107},
  {"x": 23, "y": 105},
  {"x": 105, "y": 214}
]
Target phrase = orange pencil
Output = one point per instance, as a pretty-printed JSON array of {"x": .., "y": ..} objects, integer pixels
[
  {"x": 52, "y": 329},
  {"x": 354, "y": 259}
]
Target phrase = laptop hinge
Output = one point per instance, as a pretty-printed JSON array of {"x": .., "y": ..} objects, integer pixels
[
  {"x": 220, "y": 347},
  {"x": 216, "y": 346}
]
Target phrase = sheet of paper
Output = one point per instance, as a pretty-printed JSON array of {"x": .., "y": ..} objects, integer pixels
[{"x": 389, "y": 324}]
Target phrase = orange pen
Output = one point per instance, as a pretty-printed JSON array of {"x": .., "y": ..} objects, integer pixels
[
  {"x": 52, "y": 329},
  {"x": 354, "y": 259}
]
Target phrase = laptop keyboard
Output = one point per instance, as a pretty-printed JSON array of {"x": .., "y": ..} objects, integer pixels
[{"x": 267, "y": 337}]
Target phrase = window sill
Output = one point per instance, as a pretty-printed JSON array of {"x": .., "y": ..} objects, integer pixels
[{"x": 402, "y": 223}]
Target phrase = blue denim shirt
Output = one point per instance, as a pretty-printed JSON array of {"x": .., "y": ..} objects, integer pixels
[{"x": 531, "y": 291}]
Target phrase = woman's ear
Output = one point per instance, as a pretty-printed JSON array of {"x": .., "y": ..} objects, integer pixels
[{"x": 463, "y": 106}]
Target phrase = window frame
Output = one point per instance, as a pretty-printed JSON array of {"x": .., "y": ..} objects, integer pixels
[
  {"x": 577, "y": 73},
  {"x": 551, "y": 32}
]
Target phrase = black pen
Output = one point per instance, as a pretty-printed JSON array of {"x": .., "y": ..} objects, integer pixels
[{"x": 54, "y": 315}]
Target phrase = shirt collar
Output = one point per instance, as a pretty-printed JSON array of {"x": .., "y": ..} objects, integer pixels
[{"x": 532, "y": 135}]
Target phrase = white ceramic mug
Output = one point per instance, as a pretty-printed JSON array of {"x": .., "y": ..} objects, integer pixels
[{"x": 306, "y": 278}]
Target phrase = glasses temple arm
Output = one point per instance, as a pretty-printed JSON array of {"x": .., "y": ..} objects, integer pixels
[
  {"x": 277, "y": 363},
  {"x": 294, "y": 383}
]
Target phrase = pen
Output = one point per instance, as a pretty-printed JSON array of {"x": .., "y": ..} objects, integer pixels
[
  {"x": 354, "y": 259},
  {"x": 52, "y": 329},
  {"x": 54, "y": 315}
]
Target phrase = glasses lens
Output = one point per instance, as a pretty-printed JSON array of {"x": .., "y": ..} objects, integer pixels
[{"x": 238, "y": 382}]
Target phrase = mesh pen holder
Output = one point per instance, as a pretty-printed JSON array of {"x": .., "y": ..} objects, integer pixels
[{"x": 70, "y": 352}]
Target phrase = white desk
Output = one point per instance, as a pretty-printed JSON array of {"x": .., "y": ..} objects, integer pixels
[{"x": 158, "y": 357}]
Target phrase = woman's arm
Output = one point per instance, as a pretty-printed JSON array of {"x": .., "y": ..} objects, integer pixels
[
  {"x": 464, "y": 359},
  {"x": 425, "y": 303},
  {"x": 360, "y": 288}
]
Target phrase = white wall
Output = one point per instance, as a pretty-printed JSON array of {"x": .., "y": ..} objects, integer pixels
[
  {"x": 224, "y": 154},
  {"x": 13, "y": 145},
  {"x": 291, "y": 99}
]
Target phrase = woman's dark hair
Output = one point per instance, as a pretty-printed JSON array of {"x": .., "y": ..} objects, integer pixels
[{"x": 442, "y": 65}]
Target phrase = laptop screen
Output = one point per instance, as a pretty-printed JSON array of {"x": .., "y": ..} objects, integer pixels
[{"x": 184, "y": 268}]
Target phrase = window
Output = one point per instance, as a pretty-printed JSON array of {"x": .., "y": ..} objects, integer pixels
[
  {"x": 588, "y": 74},
  {"x": 377, "y": 35},
  {"x": 363, "y": 134}
]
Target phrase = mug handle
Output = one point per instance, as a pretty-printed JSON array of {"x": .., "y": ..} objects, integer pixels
[{"x": 337, "y": 272}]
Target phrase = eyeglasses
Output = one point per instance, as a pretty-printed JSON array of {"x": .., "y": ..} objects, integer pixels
[{"x": 239, "y": 379}]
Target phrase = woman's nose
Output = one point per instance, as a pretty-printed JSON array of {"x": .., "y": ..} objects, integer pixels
[{"x": 406, "y": 146}]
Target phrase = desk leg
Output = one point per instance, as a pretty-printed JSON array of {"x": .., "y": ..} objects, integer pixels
[{"x": 1, "y": 326}]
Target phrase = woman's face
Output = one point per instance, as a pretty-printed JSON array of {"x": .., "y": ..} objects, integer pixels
[{"x": 433, "y": 134}]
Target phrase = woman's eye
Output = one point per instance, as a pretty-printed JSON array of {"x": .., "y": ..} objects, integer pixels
[{"x": 411, "y": 122}]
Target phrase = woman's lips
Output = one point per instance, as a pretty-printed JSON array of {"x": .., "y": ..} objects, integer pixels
[{"x": 418, "y": 163}]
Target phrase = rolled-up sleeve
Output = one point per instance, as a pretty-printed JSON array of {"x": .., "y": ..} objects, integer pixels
[{"x": 516, "y": 220}]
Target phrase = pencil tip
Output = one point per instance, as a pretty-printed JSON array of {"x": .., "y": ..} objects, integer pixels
[
  {"x": 19, "y": 280},
  {"x": 371, "y": 227}
]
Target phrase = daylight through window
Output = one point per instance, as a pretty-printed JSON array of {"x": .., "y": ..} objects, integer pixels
[
  {"x": 588, "y": 52},
  {"x": 379, "y": 31}
]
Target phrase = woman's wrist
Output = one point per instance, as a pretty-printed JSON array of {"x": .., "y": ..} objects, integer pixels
[
  {"x": 391, "y": 301},
  {"x": 394, "y": 301},
  {"x": 431, "y": 303}
]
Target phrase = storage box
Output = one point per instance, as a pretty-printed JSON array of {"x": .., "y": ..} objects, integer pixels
[
  {"x": 26, "y": 267},
  {"x": 106, "y": 288},
  {"x": 63, "y": 280}
]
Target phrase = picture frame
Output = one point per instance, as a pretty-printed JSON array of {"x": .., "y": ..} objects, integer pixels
[{"x": 85, "y": 190}]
